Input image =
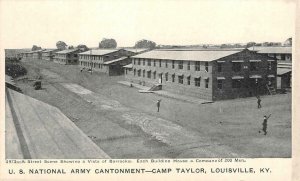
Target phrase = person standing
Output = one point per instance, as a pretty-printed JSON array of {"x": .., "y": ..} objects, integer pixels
[
  {"x": 258, "y": 102},
  {"x": 158, "y": 105},
  {"x": 265, "y": 124}
]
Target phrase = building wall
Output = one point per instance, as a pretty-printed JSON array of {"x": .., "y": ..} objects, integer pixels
[
  {"x": 66, "y": 59},
  {"x": 95, "y": 62},
  {"x": 212, "y": 92},
  {"x": 49, "y": 56},
  {"x": 169, "y": 85},
  {"x": 283, "y": 57},
  {"x": 248, "y": 88}
]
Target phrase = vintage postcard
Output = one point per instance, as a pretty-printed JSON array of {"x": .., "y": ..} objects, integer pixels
[{"x": 152, "y": 90}]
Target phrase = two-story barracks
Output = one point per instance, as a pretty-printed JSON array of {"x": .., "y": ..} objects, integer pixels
[{"x": 206, "y": 74}]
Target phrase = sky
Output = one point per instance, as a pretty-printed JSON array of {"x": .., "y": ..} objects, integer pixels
[{"x": 173, "y": 22}]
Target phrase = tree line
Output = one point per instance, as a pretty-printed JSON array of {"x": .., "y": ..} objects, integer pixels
[{"x": 105, "y": 43}]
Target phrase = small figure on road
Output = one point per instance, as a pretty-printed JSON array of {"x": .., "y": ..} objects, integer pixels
[
  {"x": 264, "y": 129},
  {"x": 158, "y": 105},
  {"x": 258, "y": 102}
]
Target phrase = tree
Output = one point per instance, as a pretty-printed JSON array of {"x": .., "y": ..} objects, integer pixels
[
  {"x": 34, "y": 47},
  {"x": 145, "y": 44},
  {"x": 288, "y": 42},
  {"x": 71, "y": 47},
  {"x": 108, "y": 43},
  {"x": 82, "y": 47},
  {"x": 61, "y": 45},
  {"x": 250, "y": 44}
]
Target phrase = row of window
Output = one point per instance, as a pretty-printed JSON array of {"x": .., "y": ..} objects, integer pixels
[
  {"x": 159, "y": 64},
  {"x": 254, "y": 66},
  {"x": 236, "y": 66},
  {"x": 90, "y": 57},
  {"x": 91, "y": 64},
  {"x": 150, "y": 74}
]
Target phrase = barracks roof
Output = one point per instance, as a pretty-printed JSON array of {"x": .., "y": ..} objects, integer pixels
[
  {"x": 114, "y": 60},
  {"x": 99, "y": 51},
  {"x": 67, "y": 51},
  {"x": 200, "y": 55},
  {"x": 278, "y": 50}
]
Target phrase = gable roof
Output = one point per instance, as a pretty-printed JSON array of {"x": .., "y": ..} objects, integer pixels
[
  {"x": 67, "y": 51},
  {"x": 49, "y": 50},
  {"x": 278, "y": 50},
  {"x": 201, "y": 55},
  {"x": 99, "y": 51},
  {"x": 114, "y": 60}
]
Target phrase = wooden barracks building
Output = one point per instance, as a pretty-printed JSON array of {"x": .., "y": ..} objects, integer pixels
[
  {"x": 206, "y": 74},
  {"x": 49, "y": 54},
  {"x": 109, "y": 61},
  {"x": 67, "y": 57},
  {"x": 32, "y": 55}
]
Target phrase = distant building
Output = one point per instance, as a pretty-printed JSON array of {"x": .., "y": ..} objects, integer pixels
[
  {"x": 109, "y": 61},
  {"x": 67, "y": 57},
  {"x": 284, "y": 63},
  {"x": 49, "y": 54},
  {"x": 206, "y": 74},
  {"x": 15, "y": 53},
  {"x": 32, "y": 55},
  {"x": 281, "y": 53}
]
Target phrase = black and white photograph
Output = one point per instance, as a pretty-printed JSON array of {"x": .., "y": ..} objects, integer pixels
[{"x": 148, "y": 79}]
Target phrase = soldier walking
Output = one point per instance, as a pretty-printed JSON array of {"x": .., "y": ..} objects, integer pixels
[
  {"x": 264, "y": 129},
  {"x": 158, "y": 105},
  {"x": 258, "y": 102}
]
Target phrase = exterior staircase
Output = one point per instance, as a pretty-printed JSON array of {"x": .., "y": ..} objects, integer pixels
[{"x": 155, "y": 87}]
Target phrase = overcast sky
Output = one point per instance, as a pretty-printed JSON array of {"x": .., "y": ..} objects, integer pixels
[{"x": 43, "y": 23}]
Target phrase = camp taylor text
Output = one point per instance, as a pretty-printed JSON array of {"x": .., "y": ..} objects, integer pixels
[{"x": 216, "y": 170}]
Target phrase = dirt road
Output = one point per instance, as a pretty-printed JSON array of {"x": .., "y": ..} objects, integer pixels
[{"x": 125, "y": 124}]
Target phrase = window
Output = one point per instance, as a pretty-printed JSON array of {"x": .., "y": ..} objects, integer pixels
[
  {"x": 282, "y": 57},
  {"x": 173, "y": 78},
  {"x": 133, "y": 61},
  {"x": 188, "y": 80},
  {"x": 143, "y": 73},
  {"x": 180, "y": 79},
  {"x": 206, "y": 83},
  {"x": 188, "y": 65},
  {"x": 100, "y": 64},
  {"x": 166, "y": 63},
  {"x": 139, "y": 73},
  {"x": 236, "y": 83},
  {"x": 219, "y": 67},
  {"x": 134, "y": 72},
  {"x": 220, "y": 84},
  {"x": 125, "y": 69},
  {"x": 149, "y": 62},
  {"x": 144, "y": 61},
  {"x": 206, "y": 66},
  {"x": 253, "y": 66},
  {"x": 154, "y": 63},
  {"x": 166, "y": 75},
  {"x": 159, "y": 63},
  {"x": 149, "y": 74},
  {"x": 270, "y": 66},
  {"x": 236, "y": 66},
  {"x": 154, "y": 75},
  {"x": 197, "y": 82},
  {"x": 180, "y": 65},
  {"x": 139, "y": 61},
  {"x": 197, "y": 66},
  {"x": 173, "y": 64}
]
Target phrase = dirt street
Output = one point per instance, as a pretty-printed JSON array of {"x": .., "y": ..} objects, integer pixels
[{"x": 125, "y": 124}]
